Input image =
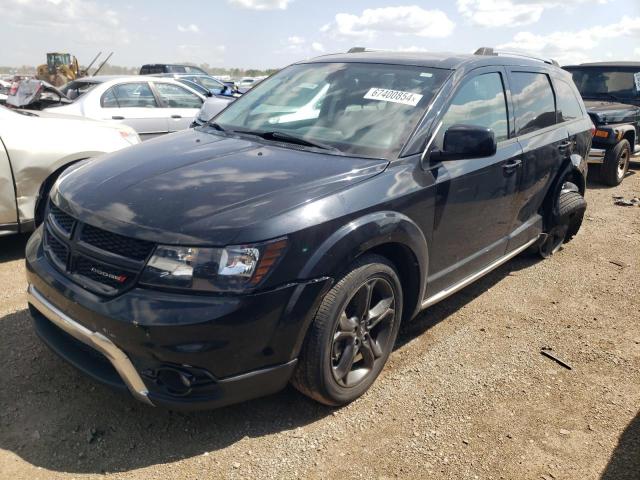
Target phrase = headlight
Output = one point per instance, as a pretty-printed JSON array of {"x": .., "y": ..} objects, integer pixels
[{"x": 212, "y": 269}]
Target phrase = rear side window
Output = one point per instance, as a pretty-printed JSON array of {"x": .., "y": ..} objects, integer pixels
[
  {"x": 568, "y": 105},
  {"x": 480, "y": 102},
  {"x": 534, "y": 101},
  {"x": 128, "y": 95}
]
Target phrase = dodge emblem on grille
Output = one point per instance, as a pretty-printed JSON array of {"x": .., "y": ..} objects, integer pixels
[{"x": 112, "y": 276}]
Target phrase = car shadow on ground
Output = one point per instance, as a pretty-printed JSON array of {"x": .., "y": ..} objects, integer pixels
[
  {"x": 55, "y": 418},
  {"x": 625, "y": 461},
  {"x": 12, "y": 247}
]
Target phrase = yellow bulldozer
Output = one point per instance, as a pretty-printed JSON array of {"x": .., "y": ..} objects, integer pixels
[{"x": 63, "y": 67}]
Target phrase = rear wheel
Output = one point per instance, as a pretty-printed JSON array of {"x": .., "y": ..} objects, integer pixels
[
  {"x": 352, "y": 334},
  {"x": 616, "y": 163},
  {"x": 566, "y": 223}
]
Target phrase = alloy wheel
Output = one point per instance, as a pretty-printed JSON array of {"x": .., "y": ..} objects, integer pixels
[{"x": 363, "y": 332}]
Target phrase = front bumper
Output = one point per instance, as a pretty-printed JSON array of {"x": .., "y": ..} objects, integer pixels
[{"x": 169, "y": 349}]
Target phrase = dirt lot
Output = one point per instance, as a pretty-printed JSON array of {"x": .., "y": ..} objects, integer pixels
[{"x": 466, "y": 395}]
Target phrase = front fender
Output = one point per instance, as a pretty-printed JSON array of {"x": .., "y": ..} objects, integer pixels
[{"x": 350, "y": 241}]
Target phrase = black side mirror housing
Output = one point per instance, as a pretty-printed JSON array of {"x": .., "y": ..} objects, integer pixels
[{"x": 466, "y": 141}]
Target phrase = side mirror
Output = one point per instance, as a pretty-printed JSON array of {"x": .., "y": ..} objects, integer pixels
[{"x": 466, "y": 141}]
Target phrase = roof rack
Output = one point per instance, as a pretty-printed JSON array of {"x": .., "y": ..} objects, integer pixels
[
  {"x": 488, "y": 51},
  {"x": 363, "y": 49}
]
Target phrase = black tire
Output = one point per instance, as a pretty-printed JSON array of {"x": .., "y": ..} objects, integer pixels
[
  {"x": 616, "y": 163},
  {"x": 566, "y": 223},
  {"x": 319, "y": 365}
]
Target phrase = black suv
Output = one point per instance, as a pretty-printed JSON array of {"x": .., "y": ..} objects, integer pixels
[
  {"x": 611, "y": 92},
  {"x": 287, "y": 239}
]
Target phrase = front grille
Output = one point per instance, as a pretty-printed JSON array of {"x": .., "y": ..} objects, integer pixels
[
  {"x": 86, "y": 253},
  {"x": 56, "y": 249},
  {"x": 64, "y": 221},
  {"x": 102, "y": 273},
  {"x": 114, "y": 243}
]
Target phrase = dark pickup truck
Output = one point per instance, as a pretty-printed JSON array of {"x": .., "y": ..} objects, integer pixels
[{"x": 611, "y": 93}]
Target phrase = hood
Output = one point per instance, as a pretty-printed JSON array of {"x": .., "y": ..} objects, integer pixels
[
  {"x": 195, "y": 187},
  {"x": 604, "y": 112}
]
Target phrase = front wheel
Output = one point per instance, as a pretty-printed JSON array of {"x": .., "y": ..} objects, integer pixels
[{"x": 352, "y": 334}]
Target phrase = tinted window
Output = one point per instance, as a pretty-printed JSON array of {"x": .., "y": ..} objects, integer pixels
[
  {"x": 480, "y": 102},
  {"x": 129, "y": 95},
  {"x": 534, "y": 101},
  {"x": 175, "y": 69},
  {"x": 568, "y": 105},
  {"x": 174, "y": 96}
]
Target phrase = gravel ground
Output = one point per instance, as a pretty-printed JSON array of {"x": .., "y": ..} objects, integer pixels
[{"x": 466, "y": 394}]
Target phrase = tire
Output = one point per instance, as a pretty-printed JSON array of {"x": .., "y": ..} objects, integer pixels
[
  {"x": 616, "y": 163},
  {"x": 566, "y": 224},
  {"x": 329, "y": 343}
]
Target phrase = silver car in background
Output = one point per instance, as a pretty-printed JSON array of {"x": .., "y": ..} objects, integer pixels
[
  {"x": 150, "y": 105},
  {"x": 35, "y": 148}
]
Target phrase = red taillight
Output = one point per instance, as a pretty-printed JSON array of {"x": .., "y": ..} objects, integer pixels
[
  {"x": 13, "y": 89},
  {"x": 593, "y": 130}
]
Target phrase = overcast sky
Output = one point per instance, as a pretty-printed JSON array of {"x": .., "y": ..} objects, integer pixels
[{"x": 274, "y": 33}]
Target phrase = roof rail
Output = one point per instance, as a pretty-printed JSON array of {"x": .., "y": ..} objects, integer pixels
[
  {"x": 363, "y": 49},
  {"x": 488, "y": 51}
]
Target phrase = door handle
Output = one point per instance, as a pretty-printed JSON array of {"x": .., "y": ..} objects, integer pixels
[
  {"x": 176, "y": 116},
  {"x": 117, "y": 117},
  {"x": 511, "y": 166}
]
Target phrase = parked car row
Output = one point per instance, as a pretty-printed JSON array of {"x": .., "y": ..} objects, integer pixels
[{"x": 286, "y": 238}]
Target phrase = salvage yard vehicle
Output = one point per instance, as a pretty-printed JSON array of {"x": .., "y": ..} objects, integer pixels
[
  {"x": 219, "y": 263},
  {"x": 35, "y": 148},
  {"x": 611, "y": 91},
  {"x": 150, "y": 69},
  {"x": 211, "y": 84},
  {"x": 152, "y": 106}
]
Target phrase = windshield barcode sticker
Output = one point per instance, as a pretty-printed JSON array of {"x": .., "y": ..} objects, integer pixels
[
  {"x": 395, "y": 96},
  {"x": 636, "y": 77}
]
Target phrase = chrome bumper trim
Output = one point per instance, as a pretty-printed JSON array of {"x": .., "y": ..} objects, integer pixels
[
  {"x": 596, "y": 155},
  {"x": 117, "y": 357}
]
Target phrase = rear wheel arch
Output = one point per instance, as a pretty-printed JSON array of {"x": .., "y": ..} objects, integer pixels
[{"x": 568, "y": 173}]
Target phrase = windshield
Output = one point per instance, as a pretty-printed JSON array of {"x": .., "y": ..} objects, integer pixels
[
  {"x": 603, "y": 82},
  {"x": 360, "y": 109}
]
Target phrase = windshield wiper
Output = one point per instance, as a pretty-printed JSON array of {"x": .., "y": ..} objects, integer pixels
[
  {"x": 289, "y": 138},
  {"x": 216, "y": 126}
]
